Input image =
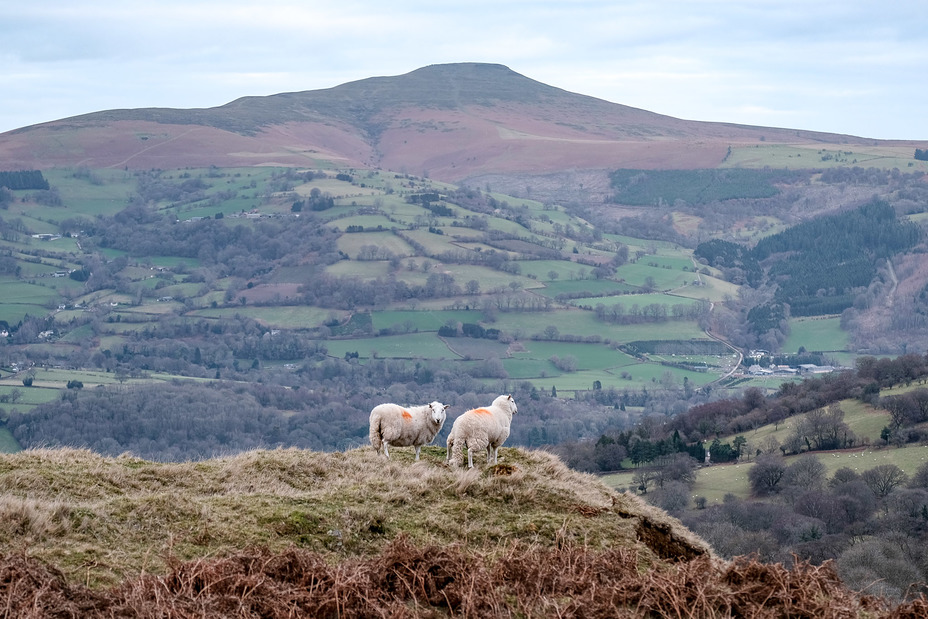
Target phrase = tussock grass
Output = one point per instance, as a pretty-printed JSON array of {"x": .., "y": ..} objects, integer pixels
[
  {"x": 294, "y": 533},
  {"x": 102, "y": 520}
]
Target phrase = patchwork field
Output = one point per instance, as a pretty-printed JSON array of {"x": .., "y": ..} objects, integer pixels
[{"x": 414, "y": 261}]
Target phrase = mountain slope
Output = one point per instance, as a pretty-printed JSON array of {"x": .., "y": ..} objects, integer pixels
[{"x": 447, "y": 121}]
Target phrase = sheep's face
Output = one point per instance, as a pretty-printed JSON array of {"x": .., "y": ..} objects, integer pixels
[
  {"x": 512, "y": 404},
  {"x": 438, "y": 412}
]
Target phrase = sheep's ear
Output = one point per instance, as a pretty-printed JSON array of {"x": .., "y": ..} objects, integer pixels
[{"x": 447, "y": 406}]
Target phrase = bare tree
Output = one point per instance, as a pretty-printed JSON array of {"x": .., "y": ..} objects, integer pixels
[
  {"x": 766, "y": 474},
  {"x": 678, "y": 467},
  {"x": 807, "y": 472},
  {"x": 884, "y": 478},
  {"x": 642, "y": 479}
]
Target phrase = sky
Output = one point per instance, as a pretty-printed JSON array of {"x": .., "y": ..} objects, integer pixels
[{"x": 858, "y": 67}]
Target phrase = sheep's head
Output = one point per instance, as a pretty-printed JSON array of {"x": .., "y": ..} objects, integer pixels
[
  {"x": 506, "y": 401},
  {"x": 438, "y": 412}
]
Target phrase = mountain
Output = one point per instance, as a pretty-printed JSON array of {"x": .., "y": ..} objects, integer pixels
[{"x": 450, "y": 122}]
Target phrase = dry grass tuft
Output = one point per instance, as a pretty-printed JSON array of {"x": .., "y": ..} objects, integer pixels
[{"x": 31, "y": 520}]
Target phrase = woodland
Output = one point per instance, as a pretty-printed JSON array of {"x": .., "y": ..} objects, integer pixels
[{"x": 872, "y": 521}]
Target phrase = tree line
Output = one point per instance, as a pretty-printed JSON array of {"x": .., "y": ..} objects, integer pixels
[
  {"x": 322, "y": 404},
  {"x": 813, "y": 403},
  {"x": 23, "y": 179}
]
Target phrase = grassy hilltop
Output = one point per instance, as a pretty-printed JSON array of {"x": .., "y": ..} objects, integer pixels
[{"x": 272, "y": 533}]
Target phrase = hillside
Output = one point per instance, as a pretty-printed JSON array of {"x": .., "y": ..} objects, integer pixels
[
  {"x": 269, "y": 299},
  {"x": 449, "y": 122},
  {"x": 271, "y": 533}
]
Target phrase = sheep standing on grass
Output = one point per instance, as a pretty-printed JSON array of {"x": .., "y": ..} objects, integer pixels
[
  {"x": 481, "y": 428},
  {"x": 392, "y": 424}
]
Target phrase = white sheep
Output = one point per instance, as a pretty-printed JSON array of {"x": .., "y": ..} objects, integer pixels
[
  {"x": 392, "y": 424},
  {"x": 481, "y": 428}
]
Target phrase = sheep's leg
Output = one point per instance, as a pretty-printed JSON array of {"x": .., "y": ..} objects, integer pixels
[
  {"x": 385, "y": 450},
  {"x": 418, "y": 447},
  {"x": 490, "y": 455},
  {"x": 476, "y": 445}
]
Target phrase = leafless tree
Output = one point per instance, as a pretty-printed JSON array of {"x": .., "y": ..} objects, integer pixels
[{"x": 884, "y": 478}]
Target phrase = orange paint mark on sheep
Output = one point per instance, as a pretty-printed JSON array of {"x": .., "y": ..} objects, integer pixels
[
  {"x": 482, "y": 411},
  {"x": 406, "y": 415}
]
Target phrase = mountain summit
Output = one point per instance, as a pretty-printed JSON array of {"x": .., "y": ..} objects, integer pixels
[{"x": 450, "y": 122}]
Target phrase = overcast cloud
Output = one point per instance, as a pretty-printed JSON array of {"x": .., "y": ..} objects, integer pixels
[{"x": 852, "y": 66}]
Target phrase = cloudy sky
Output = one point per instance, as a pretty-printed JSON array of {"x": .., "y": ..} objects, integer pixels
[{"x": 843, "y": 66}]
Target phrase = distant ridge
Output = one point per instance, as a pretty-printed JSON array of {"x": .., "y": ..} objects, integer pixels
[
  {"x": 447, "y": 86},
  {"x": 449, "y": 121}
]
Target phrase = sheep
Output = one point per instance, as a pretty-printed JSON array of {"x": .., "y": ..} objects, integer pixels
[
  {"x": 392, "y": 424},
  {"x": 481, "y": 428}
]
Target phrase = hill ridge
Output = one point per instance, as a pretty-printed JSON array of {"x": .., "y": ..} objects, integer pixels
[
  {"x": 351, "y": 533},
  {"x": 449, "y": 122},
  {"x": 72, "y": 504}
]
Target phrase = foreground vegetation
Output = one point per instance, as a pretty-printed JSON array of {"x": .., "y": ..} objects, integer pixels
[
  {"x": 101, "y": 520},
  {"x": 274, "y": 533}
]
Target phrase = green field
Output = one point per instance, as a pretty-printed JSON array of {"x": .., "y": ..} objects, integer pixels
[
  {"x": 19, "y": 298},
  {"x": 279, "y": 316},
  {"x": 564, "y": 271},
  {"x": 589, "y": 356},
  {"x": 640, "y": 274},
  {"x": 584, "y": 324},
  {"x": 474, "y": 348},
  {"x": 351, "y": 244},
  {"x": 427, "y": 320},
  {"x": 816, "y": 334},
  {"x": 29, "y": 396},
  {"x": 584, "y": 287},
  {"x": 628, "y": 301},
  {"x": 411, "y": 346},
  {"x": 865, "y": 421},
  {"x": 101, "y": 192},
  {"x": 368, "y": 222},
  {"x": 813, "y": 156}
]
